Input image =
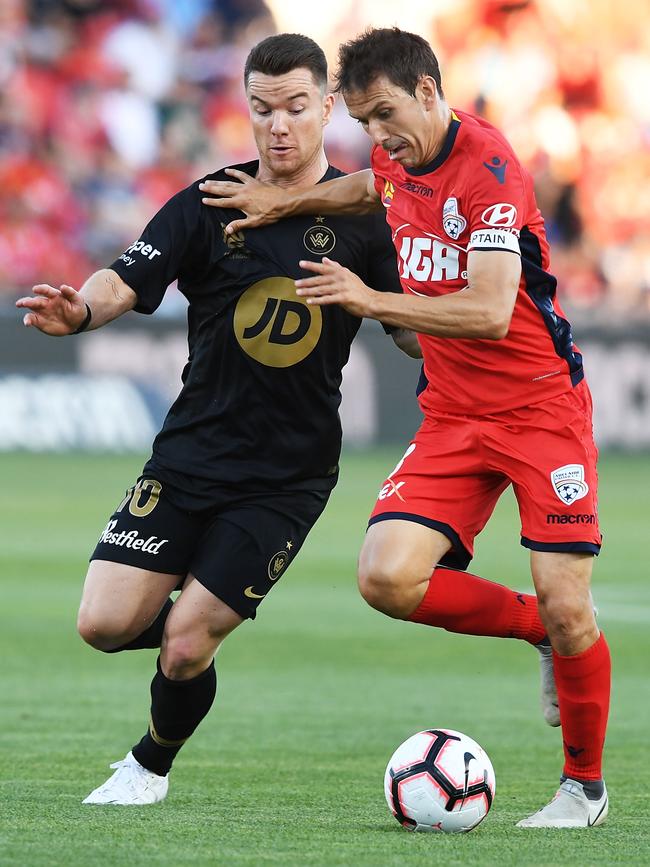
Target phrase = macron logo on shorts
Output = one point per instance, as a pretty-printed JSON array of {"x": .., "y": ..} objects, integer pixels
[
  {"x": 569, "y": 483},
  {"x": 132, "y": 539}
]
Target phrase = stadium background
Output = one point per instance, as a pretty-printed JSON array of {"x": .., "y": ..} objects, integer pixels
[{"x": 106, "y": 109}]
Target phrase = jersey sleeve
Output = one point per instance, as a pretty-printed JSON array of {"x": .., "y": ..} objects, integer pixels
[
  {"x": 162, "y": 252},
  {"x": 379, "y": 166},
  {"x": 496, "y": 201}
]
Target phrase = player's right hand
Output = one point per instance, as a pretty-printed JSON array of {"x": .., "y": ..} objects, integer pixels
[
  {"x": 262, "y": 203},
  {"x": 53, "y": 311}
]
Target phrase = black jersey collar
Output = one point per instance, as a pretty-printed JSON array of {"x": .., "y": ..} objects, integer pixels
[
  {"x": 442, "y": 155},
  {"x": 331, "y": 173},
  {"x": 251, "y": 168}
]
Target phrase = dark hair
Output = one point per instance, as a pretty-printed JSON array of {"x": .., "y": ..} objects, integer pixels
[
  {"x": 284, "y": 52},
  {"x": 402, "y": 57}
]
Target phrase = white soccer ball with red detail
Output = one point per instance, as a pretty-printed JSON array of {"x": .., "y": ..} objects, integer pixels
[{"x": 439, "y": 780}]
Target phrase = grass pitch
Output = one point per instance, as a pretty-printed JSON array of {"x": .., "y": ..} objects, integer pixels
[{"x": 313, "y": 697}]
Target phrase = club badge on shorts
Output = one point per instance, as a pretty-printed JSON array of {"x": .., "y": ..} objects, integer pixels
[{"x": 569, "y": 483}]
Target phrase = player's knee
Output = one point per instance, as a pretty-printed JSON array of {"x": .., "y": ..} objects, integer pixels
[
  {"x": 567, "y": 620},
  {"x": 185, "y": 656},
  {"x": 385, "y": 588},
  {"x": 100, "y": 632}
]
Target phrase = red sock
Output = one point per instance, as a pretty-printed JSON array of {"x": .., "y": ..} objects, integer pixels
[
  {"x": 460, "y": 602},
  {"x": 583, "y": 686}
]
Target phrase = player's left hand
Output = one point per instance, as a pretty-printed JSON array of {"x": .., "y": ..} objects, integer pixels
[{"x": 334, "y": 284}]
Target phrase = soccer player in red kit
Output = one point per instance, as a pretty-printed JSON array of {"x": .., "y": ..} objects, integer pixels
[{"x": 503, "y": 392}]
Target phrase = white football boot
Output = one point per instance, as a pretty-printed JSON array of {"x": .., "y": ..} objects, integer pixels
[
  {"x": 570, "y": 808},
  {"x": 131, "y": 784},
  {"x": 548, "y": 691}
]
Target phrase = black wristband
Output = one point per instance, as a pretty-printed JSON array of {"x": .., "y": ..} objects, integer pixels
[{"x": 84, "y": 325}]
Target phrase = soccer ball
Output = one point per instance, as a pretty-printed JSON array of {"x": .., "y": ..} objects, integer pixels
[{"x": 439, "y": 780}]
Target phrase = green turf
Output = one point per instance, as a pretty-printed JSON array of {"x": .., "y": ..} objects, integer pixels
[{"x": 313, "y": 698}]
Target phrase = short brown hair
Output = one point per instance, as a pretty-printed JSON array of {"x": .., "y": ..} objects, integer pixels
[
  {"x": 284, "y": 52},
  {"x": 402, "y": 57}
]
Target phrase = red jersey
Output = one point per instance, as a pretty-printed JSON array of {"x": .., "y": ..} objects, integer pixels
[{"x": 475, "y": 195}]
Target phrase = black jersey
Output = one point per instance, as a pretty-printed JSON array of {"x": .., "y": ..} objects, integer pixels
[{"x": 261, "y": 389}]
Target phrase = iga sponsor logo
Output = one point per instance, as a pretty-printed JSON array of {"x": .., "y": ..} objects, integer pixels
[
  {"x": 132, "y": 539},
  {"x": 502, "y": 216},
  {"x": 569, "y": 483},
  {"x": 428, "y": 259},
  {"x": 141, "y": 248}
]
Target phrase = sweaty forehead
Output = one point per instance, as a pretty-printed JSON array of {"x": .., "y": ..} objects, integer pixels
[{"x": 278, "y": 88}]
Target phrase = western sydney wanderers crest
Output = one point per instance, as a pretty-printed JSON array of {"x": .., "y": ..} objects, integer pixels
[
  {"x": 279, "y": 562},
  {"x": 453, "y": 222},
  {"x": 569, "y": 483},
  {"x": 319, "y": 239}
]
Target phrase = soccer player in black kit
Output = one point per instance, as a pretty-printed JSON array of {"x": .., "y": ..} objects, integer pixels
[{"x": 248, "y": 454}]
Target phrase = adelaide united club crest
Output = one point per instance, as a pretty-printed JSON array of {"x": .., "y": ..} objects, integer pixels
[
  {"x": 453, "y": 221},
  {"x": 569, "y": 483}
]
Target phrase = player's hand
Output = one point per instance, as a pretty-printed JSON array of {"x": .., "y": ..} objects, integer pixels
[
  {"x": 262, "y": 203},
  {"x": 53, "y": 311},
  {"x": 334, "y": 284}
]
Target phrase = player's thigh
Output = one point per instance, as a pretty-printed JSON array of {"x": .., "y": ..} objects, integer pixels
[
  {"x": 441, "y": 484},
  {"x": 197, "y": 624},
  {"x": 146, "y": 544},
  {"x": 549, "y": 453},
  {"x": 249, "y": 545},
  {"x": 400, "y": 552},
  {"x": 119, "y": 602}
]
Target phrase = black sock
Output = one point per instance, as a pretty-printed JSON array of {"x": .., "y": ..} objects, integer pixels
[
  {"x": 152, "y": 635},
  {"x": 177, "y": 707},
  {"x": 593, "y": 789}
]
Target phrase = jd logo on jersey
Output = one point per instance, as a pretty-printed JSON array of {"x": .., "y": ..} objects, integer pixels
[{"x": 274, "y": 326}]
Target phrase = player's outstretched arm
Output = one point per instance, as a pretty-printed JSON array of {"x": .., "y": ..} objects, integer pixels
[
  {"x": 267, "y": 203},
  {"x": 103, "y": 297}
]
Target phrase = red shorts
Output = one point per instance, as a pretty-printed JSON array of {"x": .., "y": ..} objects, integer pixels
[{"x": 457, "y": 467}]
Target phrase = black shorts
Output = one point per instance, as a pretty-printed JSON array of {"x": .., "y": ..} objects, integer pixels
[{"x": 237, "y": 549}]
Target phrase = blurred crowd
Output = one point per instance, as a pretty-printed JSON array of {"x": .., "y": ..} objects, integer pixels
[{"x": 108, "y": 107}]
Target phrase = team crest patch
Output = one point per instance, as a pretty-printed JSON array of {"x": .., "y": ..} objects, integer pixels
[
  {"x": 277, "y": 564},
  {"x": 453, "y": 222},
  {"x": 320, "y": 240},
  {"x": 389, "y": 192},
  {"x": 569, "y": 483}
]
